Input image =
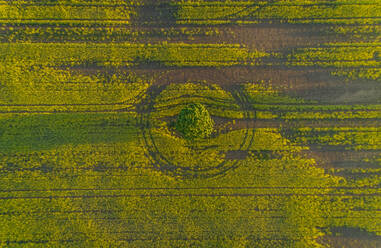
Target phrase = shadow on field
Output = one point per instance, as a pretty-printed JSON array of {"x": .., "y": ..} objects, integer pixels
[
  {"x": 351, "y": 238},
  {"x": 38, "y": 132},
  {"x": 156, "y": 14},
  {"x": 342, "y": 92}
]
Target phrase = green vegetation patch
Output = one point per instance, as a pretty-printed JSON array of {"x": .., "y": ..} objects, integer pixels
[{"x": 194, "y": 122}]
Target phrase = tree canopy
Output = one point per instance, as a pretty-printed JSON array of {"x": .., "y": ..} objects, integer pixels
[{"x": 194, "y": 122}]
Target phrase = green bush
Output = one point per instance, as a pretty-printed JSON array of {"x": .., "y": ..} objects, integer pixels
[{"x": 194, "y": 122}]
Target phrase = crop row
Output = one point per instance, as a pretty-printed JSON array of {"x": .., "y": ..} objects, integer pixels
[
  {"x": 357, "y": 32},
  {"x": 360, "y": 138},
  {"x": 318, "y": 115},
  {"x": 354, "y": 60},
  {"x": 300, "y": 11},
  {"x": 127, "y": 54},
  {"x": 18, "y": 11},
  {"x": 271, "y": 103},
  {"x": 48, "y": 86},
  {"x": 47, "y": 131},
  {"x": 194, "y": 12},
  {"x": 97, "y": 34},
  {"x": 338, "y": 55}
]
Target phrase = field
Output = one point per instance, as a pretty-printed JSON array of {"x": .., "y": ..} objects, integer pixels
[{"x": 90, "y": 89}]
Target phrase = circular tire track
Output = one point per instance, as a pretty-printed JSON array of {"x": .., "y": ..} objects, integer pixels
[{"x": 162, "y": 163}]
